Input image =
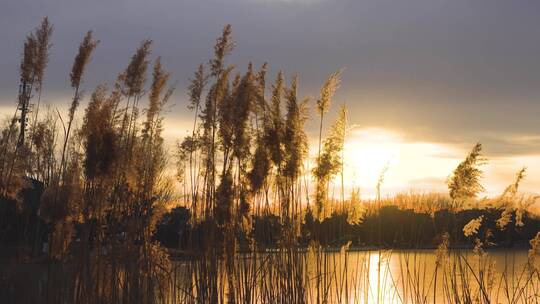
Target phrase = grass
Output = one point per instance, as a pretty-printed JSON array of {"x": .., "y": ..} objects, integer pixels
[{"x": 106, "y": 186}]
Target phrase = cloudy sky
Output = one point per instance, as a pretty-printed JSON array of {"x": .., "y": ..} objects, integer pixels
[{"x": 424, "y": 79}]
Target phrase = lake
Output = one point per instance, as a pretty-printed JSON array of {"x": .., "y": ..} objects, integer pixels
[
  {"x": 398, "y": 276},
  {"x": 316, "y": 276}
]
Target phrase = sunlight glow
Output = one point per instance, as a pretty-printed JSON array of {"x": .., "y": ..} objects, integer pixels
[{"x": 369, "y": 150}]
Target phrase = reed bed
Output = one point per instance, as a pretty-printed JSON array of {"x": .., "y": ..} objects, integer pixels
[{"x": 87, "y": 200}]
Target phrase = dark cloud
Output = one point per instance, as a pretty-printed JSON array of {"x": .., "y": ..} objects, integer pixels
[{"x": 454, "y": 71}]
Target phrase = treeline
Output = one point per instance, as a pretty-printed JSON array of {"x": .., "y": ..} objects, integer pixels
[{"x": 402, "y": 228}]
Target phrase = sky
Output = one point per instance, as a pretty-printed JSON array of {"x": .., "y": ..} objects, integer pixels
[{"x": 424, "y": 80}]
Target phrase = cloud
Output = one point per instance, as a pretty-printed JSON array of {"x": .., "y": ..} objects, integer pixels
[{"x": 442, "y": 73}]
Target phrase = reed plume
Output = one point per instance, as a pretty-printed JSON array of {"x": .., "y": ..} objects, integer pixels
[
  {"x": 327, "y": 93},
  {"x": 82, "y": 58},
  {"x": 87, "y": 46},
  {"x": 27, "y": 66},
  {"x": 464, "y": 183},
  {"x": 134, "y": 76},
  {"x": 43, "y": 37},
  {"x": 222, "y": 48},
  {"x": 330, "y": 162}
]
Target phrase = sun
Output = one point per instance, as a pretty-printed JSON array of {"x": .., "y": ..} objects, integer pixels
[
  {"x": 367, "y": 153},
  {"x": 410, "y": 165}
]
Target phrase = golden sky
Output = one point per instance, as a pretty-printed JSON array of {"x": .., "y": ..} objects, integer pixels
[{"x": 420, "y": 166}]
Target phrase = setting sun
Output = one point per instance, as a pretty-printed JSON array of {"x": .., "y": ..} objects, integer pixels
[{"x": 368, "y": 151}]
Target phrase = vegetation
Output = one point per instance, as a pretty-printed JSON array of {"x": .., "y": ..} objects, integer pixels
[{"x": 96, "y": 208}]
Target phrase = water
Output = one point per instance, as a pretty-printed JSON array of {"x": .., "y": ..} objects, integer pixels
[{"x": 398, "y": 276}]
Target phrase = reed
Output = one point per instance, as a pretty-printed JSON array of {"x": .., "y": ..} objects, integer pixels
[{"x": 250, "y": 234}]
